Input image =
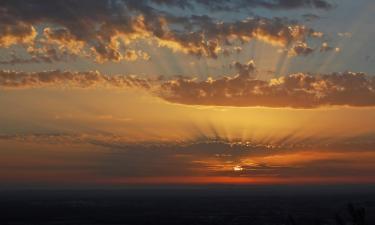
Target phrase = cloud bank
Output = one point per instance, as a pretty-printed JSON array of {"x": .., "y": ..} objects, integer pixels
[
  {"x": 107, "y": 30},
  {"x": 236, "y": 4},
  {"x": 22, "y": 80},
  {"x": 298, "y": 90}
]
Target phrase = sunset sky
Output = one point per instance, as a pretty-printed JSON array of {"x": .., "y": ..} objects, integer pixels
[{"x": 122, "y": 92}]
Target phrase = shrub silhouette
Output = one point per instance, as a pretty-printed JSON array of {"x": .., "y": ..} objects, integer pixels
[
  {"x": 357, "y": 214},
  {"x": 357, "y": 217}
]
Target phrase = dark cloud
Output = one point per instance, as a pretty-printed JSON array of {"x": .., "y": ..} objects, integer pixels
[
  {"x": 290, "y": 4},
  {"x": 9, "y": 79},
  {"x": 310, "y": 17},
  {"x": 301, "y": 49},
  {"x": 105, "y": 30},
  {"x": 211, "y": 36},
  {"x": 14, "y": 31},
  {"x": 296, "y": 90},
  {"x": 245, "y": 70},
  {"x": 238, "y": 4},
  {"x": 40, "y": 55}
]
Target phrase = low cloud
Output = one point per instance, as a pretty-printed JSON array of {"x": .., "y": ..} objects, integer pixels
[
  {"x": 245, "y": 70},
  {"x": 120, "y": 157},
  {"x": 296, "y": 91},
  {"x": 21, "y": 80}
]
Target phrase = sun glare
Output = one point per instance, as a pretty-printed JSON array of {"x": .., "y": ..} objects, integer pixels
[{"x": 237, "y": 168}]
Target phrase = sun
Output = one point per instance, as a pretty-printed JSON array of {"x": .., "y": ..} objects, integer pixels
[{"x": 237, "y": 168}]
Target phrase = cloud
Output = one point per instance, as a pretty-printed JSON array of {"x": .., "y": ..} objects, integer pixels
[
  {"x": 238, "y": 4},
  {"x": 121, "y": 157},
  {"x": 292, "y": 4},
  {"x": 245, "y": 70},
  {"x": 310, "y": 17},
  {"x": 20, "y": 80},
  {"x": 326, "y": 48},
  {"x": 108, "y": 30},
  {"x": 210, "y": 38},
  {"x": 15, "y": 32},
  {"x": 44, "y": 54},
  {"x": 295, "y": 90},
  {"x": 329, "y": 157},
  {"x": 300, "y": 49},
  {"x": 345, "y": 34},
  {"x": 298, "y": 90}
]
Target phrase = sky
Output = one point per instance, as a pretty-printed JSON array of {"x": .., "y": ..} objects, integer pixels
[{"x": 159, "y": 92}]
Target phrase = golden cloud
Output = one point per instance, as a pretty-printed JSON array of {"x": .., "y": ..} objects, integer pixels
[
  {"x": 296, "y": 90},
  {"x": 242, "y": 90}
]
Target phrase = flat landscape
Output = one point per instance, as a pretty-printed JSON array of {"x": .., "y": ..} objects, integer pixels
[{"x": 181, "y": 207}]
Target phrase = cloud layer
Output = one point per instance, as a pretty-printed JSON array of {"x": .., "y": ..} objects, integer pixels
[
  {"x": 310, "y": 157},
  {"x": 295, "y": 90},
  {"x": 242, "y": 90},
  {"x": 236, "y": 4},
  {"x": 107, "y": 30},
  {"x": 21, "y": 80}
]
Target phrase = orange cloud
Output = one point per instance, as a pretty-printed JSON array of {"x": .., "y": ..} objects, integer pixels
[{"x": 17, "y": 32}]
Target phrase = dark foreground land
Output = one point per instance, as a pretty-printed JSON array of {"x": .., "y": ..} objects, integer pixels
[{"x": 180, "y": 206}]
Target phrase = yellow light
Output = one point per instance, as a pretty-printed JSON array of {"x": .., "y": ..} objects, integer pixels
[{"x": 237, "y": 168}]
